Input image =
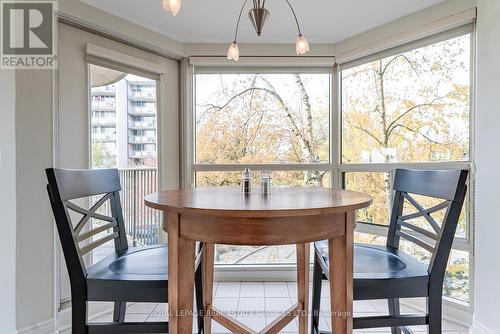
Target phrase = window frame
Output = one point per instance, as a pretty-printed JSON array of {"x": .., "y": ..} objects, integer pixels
[
  {"x": 461, "y": 244},
  {"x": 335, "y": 167},
  {"x": 189, "y": 176}
]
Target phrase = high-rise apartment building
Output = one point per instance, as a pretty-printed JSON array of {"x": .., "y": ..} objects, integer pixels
[
  {"x": 103, "y": 125},
  {"x": 124, "y": 124},
  {"x": 142, "y": 122}
]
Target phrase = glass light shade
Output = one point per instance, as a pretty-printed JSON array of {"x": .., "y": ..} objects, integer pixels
[
  {"x": 233, "y": 52},
  {"x": 301, "y": 45},
  {"x": 173, "y": 6},
  {"x": 166, "y": 5}
]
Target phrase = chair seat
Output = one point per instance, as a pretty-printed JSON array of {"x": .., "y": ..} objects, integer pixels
[
  {"x": 135, "y": 275},
  {"x": 383, "y": 272}
]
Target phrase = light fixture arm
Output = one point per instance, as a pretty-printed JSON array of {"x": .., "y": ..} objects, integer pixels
[
  {"x": 258, "y": 16},
  {"x": 238, "y": 23},
  {"x": 294, "y": 16},
  {"x": 243, "y": 7}
]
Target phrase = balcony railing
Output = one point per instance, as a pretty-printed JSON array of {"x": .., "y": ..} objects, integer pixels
[
  {"x": 149, "y": 111},
  {"x": 103, "y": 121},
  {"x": 142, "y": 223},
  {"x": 141, "y": 139},
  {"x": 141, "y": 154},
  {"x": 103, "y": 137},
  {"x": 151, "y": 95},
  {"x": 142, "y": 125},
  {"x": 100, "y": 105}
]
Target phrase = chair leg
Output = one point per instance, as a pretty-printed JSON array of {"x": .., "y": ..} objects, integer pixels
[
  {"x": 199, "y": 298},
  {"x": 119, "y": 311},
  {"x": 394, "y": 309},
  {"x": 316, "y": 295},
  {"x": 435, "y": 313},
  {"x": 78, "y": 315}
]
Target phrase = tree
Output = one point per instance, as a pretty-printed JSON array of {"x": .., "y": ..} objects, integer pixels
[
  {"x": 411, "y": 107},
  {"x": 101, "y": 157},
  {"x": 257, "y": 123}
]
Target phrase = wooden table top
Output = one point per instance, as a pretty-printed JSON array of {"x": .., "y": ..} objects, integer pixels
[{"x": 281, "y": 202}]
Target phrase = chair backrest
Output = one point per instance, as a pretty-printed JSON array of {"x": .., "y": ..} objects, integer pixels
[
  {"x": 79, "y": 238},
  {"x": 448, "y": 188}
]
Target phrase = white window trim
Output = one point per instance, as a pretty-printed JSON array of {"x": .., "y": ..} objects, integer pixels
[
  {"x": 442, "y": 25},
  {"x": 221, "y": 63},
  {"x": 459, "y": 311}
]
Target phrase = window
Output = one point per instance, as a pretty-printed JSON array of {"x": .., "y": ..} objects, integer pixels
[
  {"x": 124, "y": 138},
  {"x": 271, "y": 121},
  {"x": 408, "y": 108}
]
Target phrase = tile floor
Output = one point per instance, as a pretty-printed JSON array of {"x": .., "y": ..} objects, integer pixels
[{"x": 255, "y": 303}]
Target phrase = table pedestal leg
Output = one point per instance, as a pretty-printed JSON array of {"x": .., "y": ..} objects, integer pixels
[
  {"x": 181, "y": 262},
  {"x": 208, "y": 283},
  {"x": 303, "y": 255},
  {"x": 340, "y": 250}
]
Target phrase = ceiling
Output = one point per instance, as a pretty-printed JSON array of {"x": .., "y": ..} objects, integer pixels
[{"x": 213, "y": 21}]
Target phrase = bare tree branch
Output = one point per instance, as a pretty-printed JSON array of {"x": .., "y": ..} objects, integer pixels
[
  {"x": 359, "y": 127},
  {"x": 428, "y": 104},
  {"x": 418, "y": 132}
]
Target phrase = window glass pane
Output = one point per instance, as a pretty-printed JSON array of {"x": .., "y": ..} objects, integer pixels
[
  {"x": 124, "y": 136},
  {"x": 370, "y": 239},
  {"x": 262, "y": 118},
  {"x": 456, "y": 280},
  {"x": 221, "y": 179},
  {"x": 378, "y": 186},
  {"x": 278, "y": 179},
  {"x": 463, "y": 221},
  {"x": 438, "y": 216},
  {"x": 229, "y": 254},
  {"x": 411, "y": 107}
]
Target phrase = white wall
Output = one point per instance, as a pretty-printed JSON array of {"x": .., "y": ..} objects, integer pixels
[
  {"x": 408, "y": 24},
  {"x": 8, "y": 202},
  {"x": 35, "y": 225},
  {"x": 73, "y": 150},
  {"x": 487, "y": 274},
  {"x": 120, "y": 28},
  {"x": 31, "y": 242}
]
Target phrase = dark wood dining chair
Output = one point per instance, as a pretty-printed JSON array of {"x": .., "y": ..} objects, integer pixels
[
  {"x": 136, "y": 274},
  {"x": 387, "y": 272}
]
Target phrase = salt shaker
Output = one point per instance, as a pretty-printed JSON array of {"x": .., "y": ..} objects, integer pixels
[
  {"x": 246, "y": 182},
  {"x": 265, "y": 183}
]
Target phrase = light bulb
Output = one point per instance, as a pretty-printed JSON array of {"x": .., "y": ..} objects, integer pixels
[
  {"x": 175, "y": 6},
  {"x": 233, "y": 52},
  {"x": 166, "y": 5},
  {"x": 301, "y": 45}
]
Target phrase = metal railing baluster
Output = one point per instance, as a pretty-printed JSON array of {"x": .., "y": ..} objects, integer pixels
[{"x": 142, "y": 223}]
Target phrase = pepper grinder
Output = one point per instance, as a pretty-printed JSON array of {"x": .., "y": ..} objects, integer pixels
[{"x": 247, "y": 182}]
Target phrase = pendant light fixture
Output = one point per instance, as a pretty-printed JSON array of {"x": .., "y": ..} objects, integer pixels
[
  {"x": 258, "y": 16},
  {"x": 173, "y": 6}
]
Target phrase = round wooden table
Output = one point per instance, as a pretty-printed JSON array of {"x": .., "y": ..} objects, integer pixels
[{"x": 286, "y": 216}]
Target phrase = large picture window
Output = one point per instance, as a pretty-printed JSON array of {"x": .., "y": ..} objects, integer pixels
[
  {"x": 408, "y": 109},
  {"x": 350, "y": 126},
  {"x": 273, "y": 121}
]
